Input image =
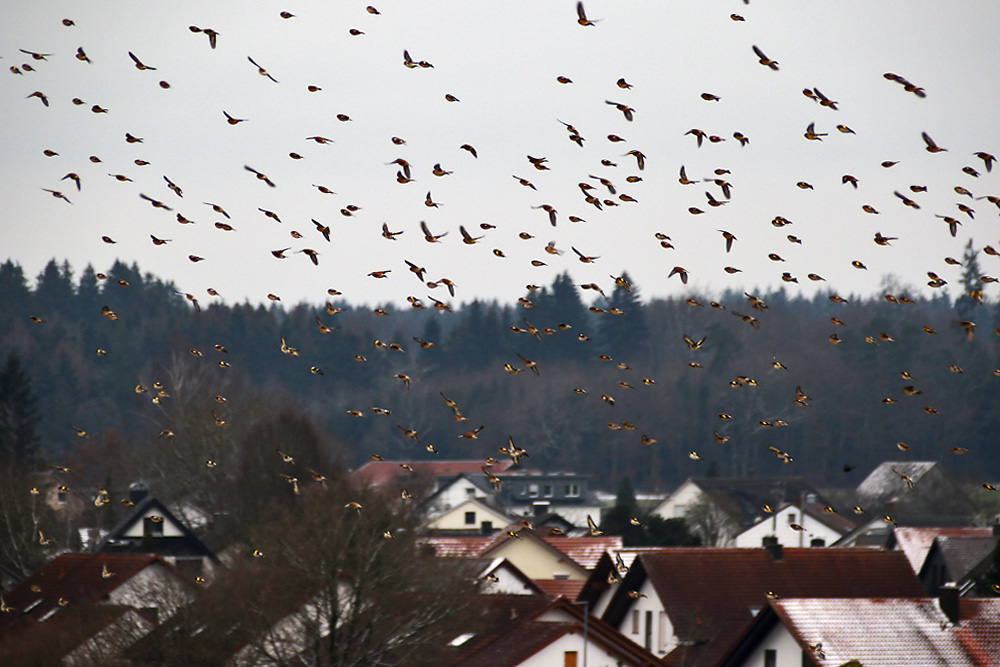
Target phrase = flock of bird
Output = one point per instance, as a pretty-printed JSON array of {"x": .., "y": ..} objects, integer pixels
[{"x": 596, "y": 193}]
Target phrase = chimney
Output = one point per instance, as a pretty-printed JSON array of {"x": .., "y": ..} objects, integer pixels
[
  {"x": 817, "y": 542},
  {"x": 948, "y": 599},
  {"x": 137, "y": 491},
  {"x": 772, "y": 546}
]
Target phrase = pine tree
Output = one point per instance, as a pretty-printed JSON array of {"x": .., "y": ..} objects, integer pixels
[
  {"x": 626, "y": 333},
  {"x": 19, "y": 441},
  {"x": 969, "y": 301}
]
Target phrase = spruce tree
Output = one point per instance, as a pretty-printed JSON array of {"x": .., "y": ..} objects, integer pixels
[{"x": 19, "y": 441}]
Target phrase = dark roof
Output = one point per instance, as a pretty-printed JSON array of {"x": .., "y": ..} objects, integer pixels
[
  {"x": 961, "y": 554},
  {"x": 741, "y": 497},
  {"x": 711, "y": 595},
  {"x": 186, "y": 544},
  {"x": 76, "y": 579},
  {"x": 32, "y": 643}
]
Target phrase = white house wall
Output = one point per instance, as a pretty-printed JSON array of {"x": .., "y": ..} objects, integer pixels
[
  {"x": 663, "y": 638},
  {"x": 788, "y": 653},
  {"x": 779, "y": 525},
  {"x": 455, "y": 494},
  {"x": 678, "y": 502},
  {"x": 554, "y": 654},
  {"x": 454, "y": 519}
]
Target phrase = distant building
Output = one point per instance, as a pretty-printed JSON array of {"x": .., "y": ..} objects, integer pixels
[{"x": 915, "y": 493}]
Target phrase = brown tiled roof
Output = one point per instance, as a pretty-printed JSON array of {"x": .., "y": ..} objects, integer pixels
[
  {"x": 916, "y": 542},
  {"x": 567, "y": 588},
  {"x": 711, "y": 595},
  {"x": 381, "y": 473},
  {"x": 76, "y": 579}
]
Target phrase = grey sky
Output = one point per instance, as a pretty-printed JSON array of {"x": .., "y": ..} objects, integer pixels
[{"x": 501, "y": 61}]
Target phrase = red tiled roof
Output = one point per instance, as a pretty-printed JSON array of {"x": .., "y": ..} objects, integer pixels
[
  {"x": 46, "y": 643},
  {"x": 75, "y": 578},
  {"x": 585, "y": 550},
  {"x": 567, "y": 588},
  {"x": 457, "y": 547},
  {"x": 710, "y": 594},
  {"x": 380, "y": 473}
]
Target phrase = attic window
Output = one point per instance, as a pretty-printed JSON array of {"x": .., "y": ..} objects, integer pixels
[
  {"x": 791, "y": 518},
  {"x": 461, "y": 639},
  {"x": 61, "y": 497},
  {"x": 151, "y": 528}
]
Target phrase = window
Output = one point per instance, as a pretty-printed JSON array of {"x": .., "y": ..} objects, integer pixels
[
  {"x": 648, "y": 642},
  {"x": 572, "y": 490},
  {"x": 61, "y": 497},
  {"x": 680, "y": 510},
  {"x": 470, "y": 493},
  {"x": 152, "y": 528},
  {"x": 533, "y": 490},
  {"x": 662, "y": 631},
  {"x": 547, "y": 490},
  {"x": 470, "y": 518},
  {"x": 635, "y": 621},
  {"x": 791, "y": 518},
  {"x": 569, "y": 659},
  {"x": 770, "y": 657},
  {"x": 486, "y": 527}
]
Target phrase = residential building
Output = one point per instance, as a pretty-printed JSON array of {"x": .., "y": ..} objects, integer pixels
[
  {"x": 874, "y": 632},
  {"x": 690, "y": 605}
]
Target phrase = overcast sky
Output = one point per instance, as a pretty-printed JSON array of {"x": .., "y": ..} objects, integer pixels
[{"x": 501, "y": 61}]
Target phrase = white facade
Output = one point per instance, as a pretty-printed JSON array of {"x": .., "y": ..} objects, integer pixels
[
  {"x": 508, "y": 580},
  {"x": 647, "y": 623},
  {"x": 778, "y": 646},
  {"x": 678, "y": 502},
  {"x": 470, "y": 514},
  {"x": 780, "y": 524},
  {"x": 455, "y": 493},
  {"x": 148, "y": 522},
  {"x": 568, "y": 650}
]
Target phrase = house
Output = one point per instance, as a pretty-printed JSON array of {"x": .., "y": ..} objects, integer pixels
[
  {"x": 102, "y": 602},
  {"x": 916, "y": 541},
  {"x": 915, "y": 493},
  {"x": 558, "y": 634},
  {"x": 534, "y": 493},
  {"x": 152, "y": 528},
  {"x": 797, "y": 525},
  {"x": 275, "y": 620},
  {"x": 874, "y": 632},
  {"x": 720, "y": 509},
  {"x": 471, "y": 514},
  {"x": 961, "y": 559},
  {"x": 539, "y": 557},
  {"x": 690, "y": 605}
]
